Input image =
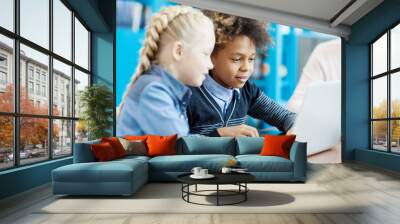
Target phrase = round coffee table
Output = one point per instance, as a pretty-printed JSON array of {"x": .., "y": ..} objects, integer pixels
[{"x": 238, "y": 179}]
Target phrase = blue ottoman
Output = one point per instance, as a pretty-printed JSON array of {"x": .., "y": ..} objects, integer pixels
[{"x": 119, "y": 177}]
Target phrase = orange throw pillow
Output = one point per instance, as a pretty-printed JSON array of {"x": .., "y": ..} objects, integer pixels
[
  {"x": 116, "y": 145},
  {"x": 277, "y": 145},
  {"x": 103, "y": 152},
  {"x": 161, "y": 145}
]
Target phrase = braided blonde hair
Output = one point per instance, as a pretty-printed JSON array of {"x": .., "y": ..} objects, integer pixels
[{"x": 171, "y": 23}]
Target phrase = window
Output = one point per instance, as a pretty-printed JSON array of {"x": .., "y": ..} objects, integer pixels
[
  {"x": 62, "y": 74},
  {"x": 44, "y": 91},
  {"x": 33, "y": 149},
  {"x": 6, "y": 142},
  {"x": 7, "y": 14},
  {"x": 81, "y": 81},
  {"x": 62, "y": 31},
  {"x": 62, "y": 137},
  {"x": 81, "y": 45},
  {"x": 38, "y": 89},
  {"x": 55, "y": 102},
  {"x": 37, "y": 74},
  {"x": 3, "y": 78},
  {"x": 41, "y": 83},
  {"x": 30, "y": 87},
  {"x": 385, "y": 91},
  {"x": 395, "y": 47},
  {"x": 3, "y": 61},
  {"x": 7, "y": 89},
  {"x": 3, "y": 72},
  {"x": 30, "y": 72},
  {"x": 34, "y": 21}
]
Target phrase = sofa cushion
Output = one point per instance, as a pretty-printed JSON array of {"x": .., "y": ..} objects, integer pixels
[
  {"x": 196, "y": 145},
  {"x": 134, "y": 147},
  {"x": 111, "y": 171},
  {"x": 249, "y": 145},
  {"x": 277, "y": 145},
  {"x": 185, "y": 163},
  {"x": 257, "y": 163},
  {"x": 103, "y": 152},
  {"x": 132, "y": 158},
  {"x": 116, "y": 145},
  {"x": 161, "y": 145}
]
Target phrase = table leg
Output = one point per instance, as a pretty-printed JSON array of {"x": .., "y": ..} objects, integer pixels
[
  {"x": 182, "y": 189},
  {"x": 245, "y": 193},
  {"x": 196, "y": 188},
  {"x": 188, "y": 189},
  {"x": 217, "y": 194}
]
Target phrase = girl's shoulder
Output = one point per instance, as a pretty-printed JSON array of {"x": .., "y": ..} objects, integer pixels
[
  {"x": 147, "y": 79},
  {"x": 145, "y": 83}
]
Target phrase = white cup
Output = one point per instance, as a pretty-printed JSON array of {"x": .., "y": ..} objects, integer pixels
[
  {"x": 196, "y": 170},
  {"x": 203, "y": 172},
  {"x": 226, "y": 170}
]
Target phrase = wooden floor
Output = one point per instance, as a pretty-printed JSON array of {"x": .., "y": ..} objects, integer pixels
[{"x": 378, "y": 188}]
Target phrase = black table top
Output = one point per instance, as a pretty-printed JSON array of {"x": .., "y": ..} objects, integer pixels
[{"x": 220, "y": 178}]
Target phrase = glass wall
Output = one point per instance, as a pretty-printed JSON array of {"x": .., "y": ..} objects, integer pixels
[
  {"x": 385, "y": 91},
  {"x": 40, "y": 81}
]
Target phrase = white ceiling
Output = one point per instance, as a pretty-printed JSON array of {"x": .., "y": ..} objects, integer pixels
[
  {"x": 320, "y": 9},
  {"x": 324, "y": 16}
]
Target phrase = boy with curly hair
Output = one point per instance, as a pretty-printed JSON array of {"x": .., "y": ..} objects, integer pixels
[{"x": 220, "y": 106}]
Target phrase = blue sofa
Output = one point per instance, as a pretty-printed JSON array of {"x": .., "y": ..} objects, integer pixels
[{"x": 125, "y": 176}]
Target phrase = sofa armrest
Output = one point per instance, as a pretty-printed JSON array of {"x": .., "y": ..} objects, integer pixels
[
  {"x": 298, "y": 155},
  {"x": 83, "y": 152}
]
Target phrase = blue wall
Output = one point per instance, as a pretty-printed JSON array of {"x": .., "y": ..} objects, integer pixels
[
  {"x": 24, "y": 178},
  {"x": 102, "y": 58},
  {"x": 128, "y": 46},
  {"x": 355, "y": 73},
  {"x": 100, "y": 17},
  {"x": 103, "y": 62}
]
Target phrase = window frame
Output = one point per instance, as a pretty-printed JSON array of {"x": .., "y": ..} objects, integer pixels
[
  {"x": 16, "y": 115},
  {"x": 388, "y": 74}
]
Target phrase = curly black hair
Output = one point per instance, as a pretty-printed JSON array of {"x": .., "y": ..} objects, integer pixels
[{"x": 227, "y": 27}]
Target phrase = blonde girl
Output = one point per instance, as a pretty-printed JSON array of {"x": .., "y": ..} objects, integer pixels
[{"x": 175, "y": 54}]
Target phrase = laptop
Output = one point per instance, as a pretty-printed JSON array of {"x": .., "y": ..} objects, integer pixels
[{"x": 319, "y": 119}]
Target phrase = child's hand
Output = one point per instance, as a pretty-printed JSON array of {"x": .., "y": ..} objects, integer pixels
[
  {"x": 290, "y": 131},
  {"x": 237, "y": 131}
]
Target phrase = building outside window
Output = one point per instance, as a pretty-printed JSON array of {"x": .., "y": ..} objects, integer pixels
[{"x": 3, "y": 71}]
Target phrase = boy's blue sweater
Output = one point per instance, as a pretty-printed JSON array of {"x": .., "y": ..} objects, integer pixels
[{"x": 205, "y": 116}]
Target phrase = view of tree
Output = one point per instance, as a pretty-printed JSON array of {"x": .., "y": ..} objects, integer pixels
[
  {"x": 81, "y": 130},
  {"x": 33, "y": 130},
  {"x": 380, "y": 127}
]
